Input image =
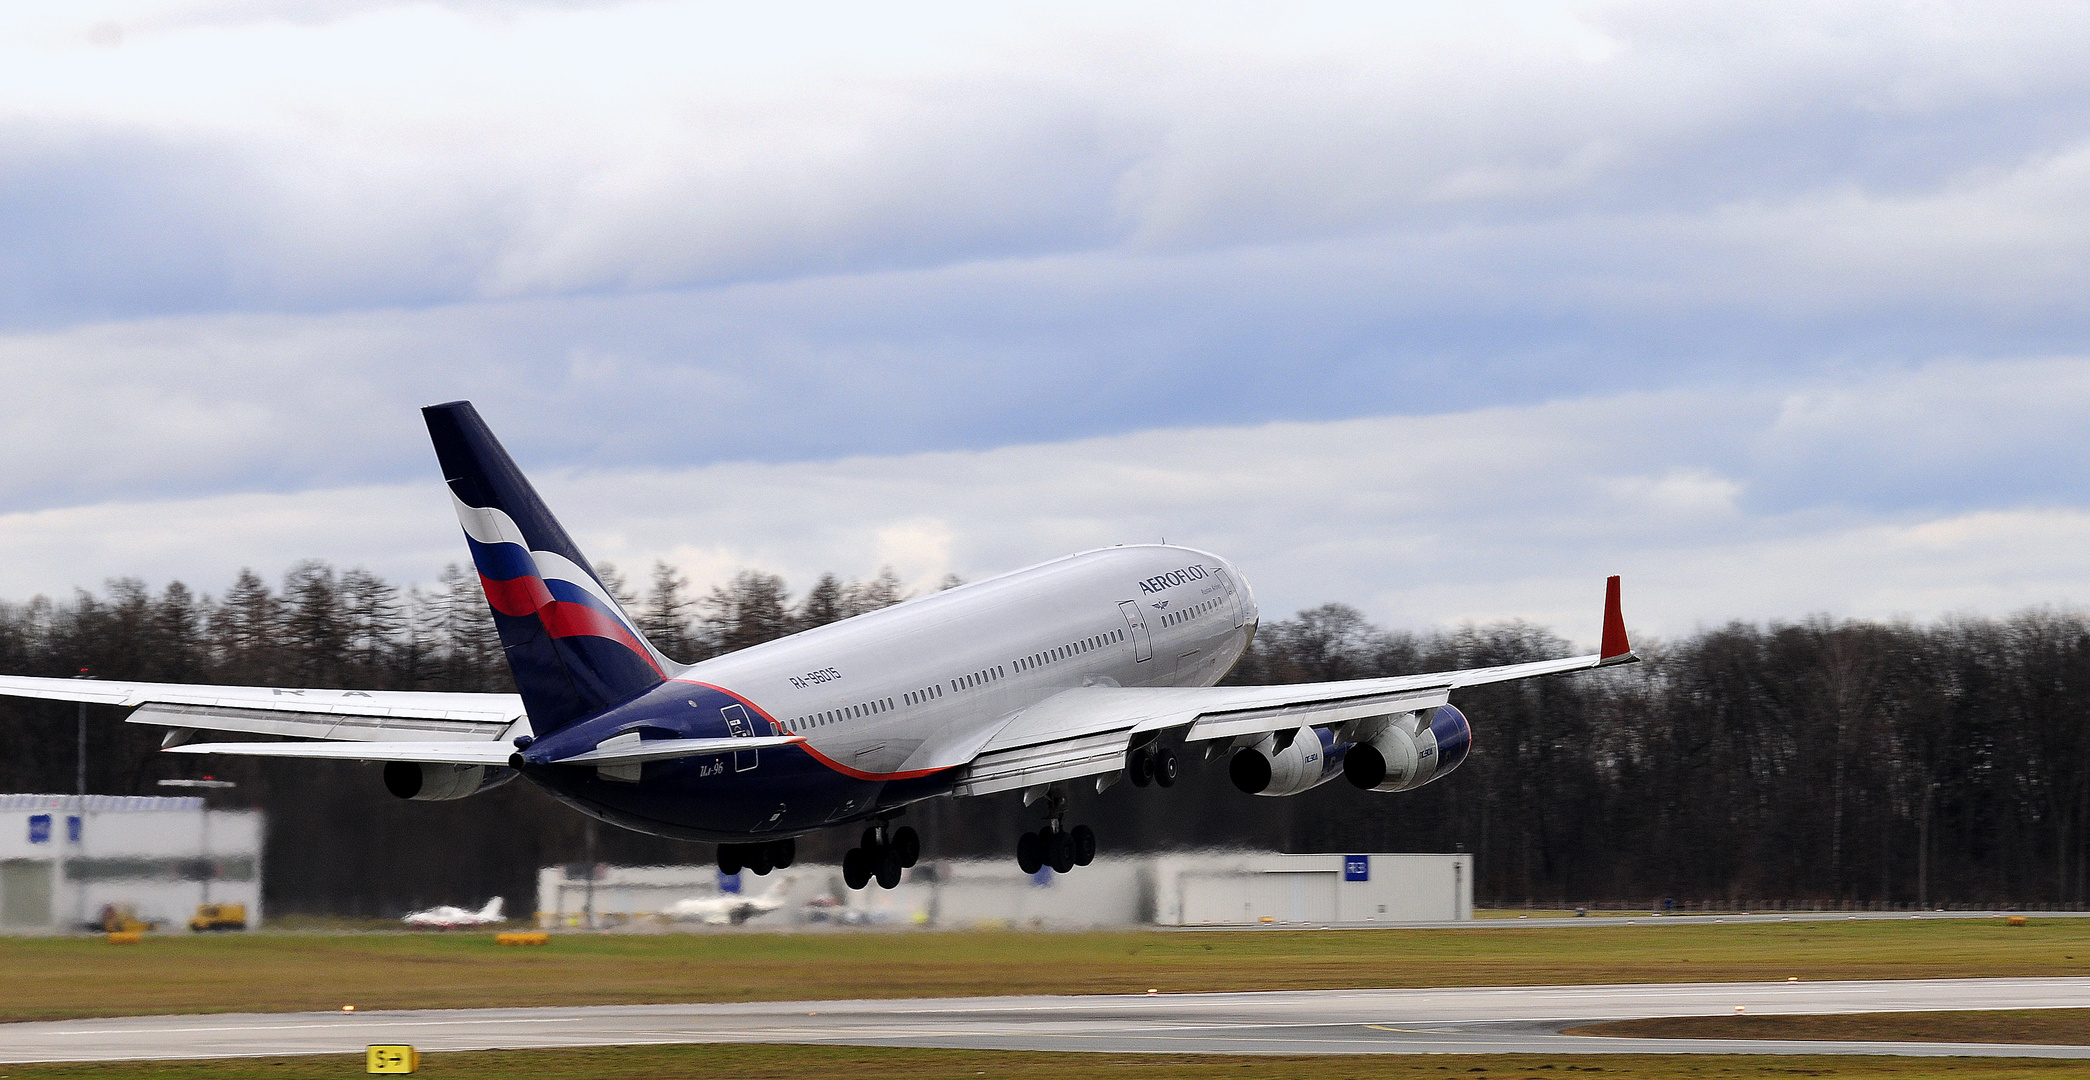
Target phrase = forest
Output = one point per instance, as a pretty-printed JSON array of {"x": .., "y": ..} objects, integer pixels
[{"x": 1826, "y": 761}]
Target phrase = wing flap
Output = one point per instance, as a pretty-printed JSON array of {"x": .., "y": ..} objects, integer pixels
[
  {"x": 1257, "y": 721},
  {"x": 306, "y": 725},
  {"x": 475, "y": 752}
]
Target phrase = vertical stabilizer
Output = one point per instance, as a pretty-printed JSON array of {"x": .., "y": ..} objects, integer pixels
[{"x": 572, "y": 648}]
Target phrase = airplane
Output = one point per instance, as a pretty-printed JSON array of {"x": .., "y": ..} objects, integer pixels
[
  {"x": 445, "y": 917},
  {"x": 1089, "y": 669},
  {"x": 729, "y": 907}
]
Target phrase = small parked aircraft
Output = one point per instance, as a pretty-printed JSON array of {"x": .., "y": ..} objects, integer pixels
[
  {"x": 446, "y": 917},
  {"x": 729, "y": 908}
]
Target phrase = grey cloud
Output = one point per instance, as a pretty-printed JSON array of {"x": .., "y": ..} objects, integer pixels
[
  {"x": 1056, "y": 140},
  {"x": 1422, "y": 519}
]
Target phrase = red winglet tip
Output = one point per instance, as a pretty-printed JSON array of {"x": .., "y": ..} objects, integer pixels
[{"x": 1615, "y": 643}]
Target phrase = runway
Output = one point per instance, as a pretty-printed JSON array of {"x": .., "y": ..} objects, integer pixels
[{"x": 1430, "y": 1021}]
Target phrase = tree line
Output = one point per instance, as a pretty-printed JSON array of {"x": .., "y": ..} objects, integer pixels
[{"x": 1827, "y": 761}]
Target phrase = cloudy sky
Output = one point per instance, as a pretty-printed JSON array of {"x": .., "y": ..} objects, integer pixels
[{"x": 1443, "y": 310}]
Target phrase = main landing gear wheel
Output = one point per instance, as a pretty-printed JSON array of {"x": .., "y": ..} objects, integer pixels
[
  {"x": 1084, "y": 845},
  {"x": 1030, "y": 852},
  {"x": 856, "y": 871},
  {"x": 1139, "y": 766},
  {"x": 760, "y": 858},
  {"x": 1062, "y": 848},
  {"x": 881, "y": 857},
  {"x": 1163, "y": 763}
]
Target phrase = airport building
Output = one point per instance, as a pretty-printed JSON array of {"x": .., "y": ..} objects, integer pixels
[
  {"x": 66, "y": 859},
  {"x": 1213, "y": 888}
]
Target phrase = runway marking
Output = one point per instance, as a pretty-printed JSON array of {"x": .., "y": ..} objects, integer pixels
[{"x": 335, "y": 1027}]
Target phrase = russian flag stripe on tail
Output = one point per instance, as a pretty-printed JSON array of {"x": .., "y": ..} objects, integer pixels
[{"x": 572, "y": 648}]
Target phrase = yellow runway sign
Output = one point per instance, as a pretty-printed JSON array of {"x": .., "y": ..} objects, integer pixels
[{"x": 393, "y": 1059}]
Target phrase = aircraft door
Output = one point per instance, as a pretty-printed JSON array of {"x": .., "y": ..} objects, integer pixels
[
  {"x": 1142, "y": 645},
  {"x": 738, "y": 727},
  {"x": 1233, "y": 598}
]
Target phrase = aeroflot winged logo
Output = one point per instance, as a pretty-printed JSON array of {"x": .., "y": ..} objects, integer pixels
[
  {"x": 519, "y": 582},
  {"x": 1172, "y": 579}
]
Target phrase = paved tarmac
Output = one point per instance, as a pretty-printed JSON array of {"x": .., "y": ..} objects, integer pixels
[{"x": 1455, "y": 1020}]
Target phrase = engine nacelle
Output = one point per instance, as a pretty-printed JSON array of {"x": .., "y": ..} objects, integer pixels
[
  {"x": 434, "y": 782},
  {"x": 1286, "y": 762},
  {"x": 1410, "y": 750}
]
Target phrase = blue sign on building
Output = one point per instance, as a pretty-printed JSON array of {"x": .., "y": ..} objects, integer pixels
[
  {"x": 72, "y": 828},
  {"x": 729, "y": 883},
  {"x": 1357, "y": 868},
  {"x": 39, "y": 828}
]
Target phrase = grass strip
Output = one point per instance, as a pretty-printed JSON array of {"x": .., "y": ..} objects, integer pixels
[
  {"x": 850, "y": 1063},
  {"x": 2052, "y": 1027},
  {"x": 52, "y": 978}
]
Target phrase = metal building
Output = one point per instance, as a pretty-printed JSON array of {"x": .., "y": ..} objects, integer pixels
[
  {"x": 1210, "y": 888},
  {"x": 63, "y": 858}
]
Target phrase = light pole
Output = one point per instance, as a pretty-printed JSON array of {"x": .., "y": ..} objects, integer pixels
[{"x": 80, "y": 762}]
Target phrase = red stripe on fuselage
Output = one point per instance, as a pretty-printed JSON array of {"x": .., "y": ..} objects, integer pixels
[{"x": 823, "y": 759}]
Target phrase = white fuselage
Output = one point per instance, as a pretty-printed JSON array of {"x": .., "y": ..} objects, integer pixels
[{"x": 919, "y": 686}]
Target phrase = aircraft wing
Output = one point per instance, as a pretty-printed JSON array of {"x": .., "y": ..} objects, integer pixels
[
  {"x": 1087, "y": 731},
  {"x": 356, "y": 715}
]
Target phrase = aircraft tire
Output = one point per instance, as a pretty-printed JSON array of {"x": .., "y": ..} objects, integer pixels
[
  {"x": 907, "y": 844},
  {"x": 1030, "y": 852},
  {"x": 756, "y": 858},
  {"x": 729, "y": 859},
  {"x": 1165, "y": 767},
  {"x": 1062, "y": 848},
  {"x": 1084, "y": 845},
  {"x": 782, "y": 852},
  {"x": 856, "y": 869},
  {"x": 1139, "y": 766},
  {"x": 889, "y": 869}
]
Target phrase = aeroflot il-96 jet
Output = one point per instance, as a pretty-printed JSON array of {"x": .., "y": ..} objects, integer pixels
[{"x": 1089, "y": 669}]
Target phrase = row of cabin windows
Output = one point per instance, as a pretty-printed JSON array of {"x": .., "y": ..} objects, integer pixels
[
  {"x": 1038, "y": 660},
  {"x": 1190, "y": 612},
  {"x": 835, "y": 716},
  {"x": 978, "y": 678},
  {"x": 963, "y": 682}
]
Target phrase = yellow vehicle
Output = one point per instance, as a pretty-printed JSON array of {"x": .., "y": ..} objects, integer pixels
[
  {"x": 219, "y": 917},
  {"x": 121, "y": 919}
]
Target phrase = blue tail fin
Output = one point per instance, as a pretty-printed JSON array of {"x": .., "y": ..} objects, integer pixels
[{"x": 573, "y": 649}]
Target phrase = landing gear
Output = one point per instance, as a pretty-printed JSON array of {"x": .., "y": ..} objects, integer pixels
[
  {"x": 761, "y": 858},
  {"x": 881, "y": 857},
  {"x": 1055, "y": 845},
  {"x": 1152, "y": 765}
]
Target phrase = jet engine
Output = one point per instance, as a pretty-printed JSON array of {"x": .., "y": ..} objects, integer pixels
[
  {"x": 1286, "y": 762},
  {"x": 436, "y": 782},
  {"x": 1409, "y": 750}
]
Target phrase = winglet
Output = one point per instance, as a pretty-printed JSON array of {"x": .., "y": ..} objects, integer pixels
[{"x": 1616, "y": 649}]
